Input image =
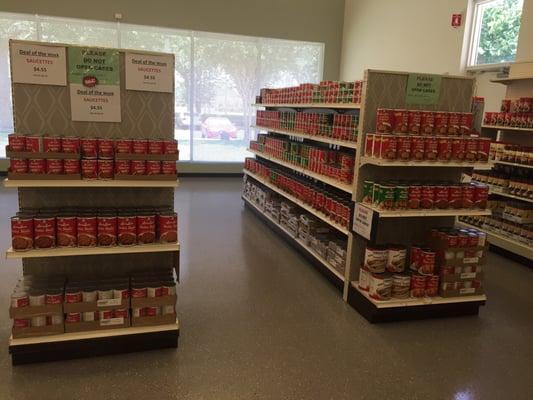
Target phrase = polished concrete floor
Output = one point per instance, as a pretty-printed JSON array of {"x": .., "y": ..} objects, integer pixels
[{"x": 257, "y": 322}]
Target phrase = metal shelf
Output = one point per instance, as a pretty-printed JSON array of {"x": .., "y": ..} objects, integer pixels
[
  {"x": 317, "y": 256},
  {"x": 311, "y": 105},
  {"x": 90, "y": 183},
  {"x": 426, "y": 212},
  {"x": 323, "y": 139},
  {"x": 513, "y": 164},
  {"x": 333, "y": 182},
  {"x": 91, "y": 251},
  {"x": 385, "y": 163},
  {"x": 298, "y": 202},
  {"x": 507, "y": 128},
  {"x": 507, "y": 81}
]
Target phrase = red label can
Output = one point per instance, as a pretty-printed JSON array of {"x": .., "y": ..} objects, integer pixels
[
  {"x": 70, "y": 144},
  {"x": 34, "y": 144},
  {"x": 127, "y": 230},
  {"x": 120, "y": 313},
  {"x": 87, "y": 230},
  {"x": 138, "y": 292},
  {"x": 426, "y": 262},
  {"x": 471, "y": 149},
  {"x": 467, "y": 196},
  {"x": 389, "y": 147},
  {"x": 106, "y": 148},
  {"x": 146, "y": 228},
  {"x": 89, "y": 148},
  {"x": 140, "y": 146},
  {"x": 441, "y": 123},
  {"x": 73, "y": 296},
  {"x": 36, "y": 166},
  {"x": 465, "y": 125},
  {"x": 454, "y": 123},
  {"x": 417, "y": 148},
  {"x": 400, "y": 121},
  {"x": 442, "y": 197},
  {"x": 384, "y": 120},
  {"x": 444, "y": 149},
  {"x": 51, "y": 144},
  {"x": 427, "y": 122},
  {"x": 415, "y": 119},
  {"x": 168, "y": 167},
  {"x": 483, "y": 149},
  {"x": 54, "y": 166},
  {"x": 106, "y": 314},
  {"x": 18, "y": 165},
  {"x": 432, "y": 285},
  {"x": 22, "y": 233},
  {"x": 107, "y": 230},
  {"x": 431, "y": 148},
  {"x": 71, "y": 166},
  {"x": 72, "y": 317},
  {"x": 418, "y": 285},
  {"x": 427, "y": 199},
  {"x": 414, "y": 195},
  {"x": 16, "y": 142},
  {"x": 168, "y": 227},
  {"x": 170, "y": 147},
  {"x": 404, "y": 147},
  {"x": 455, "y": 196},
  {"x": 369, "y": 144},
  {"x": 138, "y": 167},
  {"x": 67, "y": 231},
  {"x": 124, "y": 146},
  {"x": 123, "y": 167},
  {"x": 153, "y": 167},
  {"x": 89, "y": 169},
  {"x": 105, "y": 169},
  {"x": 54, "y": 298},
  {"x": 458, "y": 149},
  {"x": 481, "y": 196},
  {"x": 155, "y": 146},
  {"x": 44, "y": 232}
]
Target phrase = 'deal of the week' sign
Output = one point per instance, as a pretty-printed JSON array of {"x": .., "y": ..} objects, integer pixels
[
  {"x": 37, "y": 64},
  {"x": 152, "y": 73},
  {"x": 94, "y": 84}
]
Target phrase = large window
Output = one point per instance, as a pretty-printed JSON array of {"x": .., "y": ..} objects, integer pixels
[
  {"x": 495, "y": 28},
  {"x": 217, "y": 76}
]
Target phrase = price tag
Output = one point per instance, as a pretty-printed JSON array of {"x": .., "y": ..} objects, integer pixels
[
  {"x": 362, "y": 220},
  {"x": 152, "y": 73},
  {"x": 468, "y": 275},
  {"x": 108, "y": 302},
  {"x": 470, "y": 260},
  {"x": 467, "y": 290},
  {"x": 112, "y": 321},
  {"x": 36, "y": 64}
]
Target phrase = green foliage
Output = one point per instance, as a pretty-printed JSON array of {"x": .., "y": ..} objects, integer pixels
[{"x": 498, "y": 38}]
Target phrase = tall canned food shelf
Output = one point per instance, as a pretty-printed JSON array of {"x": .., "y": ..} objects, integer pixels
[
  {"x": 414, "y": 143},
  {"x": 300, "y": 181},
  {"x": 110, "y": 324},
  {"x": 510, "y": 226}
]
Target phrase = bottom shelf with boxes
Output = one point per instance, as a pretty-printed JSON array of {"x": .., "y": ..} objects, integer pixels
[
  {"x": 315, "y": 236},
  {"x": 449, "y": 264}
]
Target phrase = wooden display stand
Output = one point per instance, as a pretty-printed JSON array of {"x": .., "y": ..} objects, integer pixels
[
  {"x": 144, "y": 114},
  {"x": 386, "y": 89},
  {"x": 519, "y": 84}
]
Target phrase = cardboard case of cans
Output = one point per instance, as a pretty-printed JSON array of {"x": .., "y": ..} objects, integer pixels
[
  {"x": 324, "y": 92},
  {"x": 49, "y": 228},
  {"x": 511, "y": 153},
  {"x": 54, "y": 157},
  {"x": 449, "y": 265},
  {"x": 508, "y": 180}
]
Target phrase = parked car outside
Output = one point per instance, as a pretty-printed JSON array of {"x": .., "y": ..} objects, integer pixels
[{"x": 218, "y": 128}]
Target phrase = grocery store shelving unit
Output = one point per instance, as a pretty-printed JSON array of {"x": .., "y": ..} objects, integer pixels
[
  {"x": 334, "y": 276},
  {"x": 518, "y": 85},
  {"x": 386, "y": 89},
  {"x": 144, "y": 115}
]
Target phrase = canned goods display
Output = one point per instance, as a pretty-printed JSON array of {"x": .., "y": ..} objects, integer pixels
[{"x": 16, "y": 142}]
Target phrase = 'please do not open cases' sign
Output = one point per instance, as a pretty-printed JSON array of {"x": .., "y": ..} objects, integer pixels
[{"x": 423, "y": 89}]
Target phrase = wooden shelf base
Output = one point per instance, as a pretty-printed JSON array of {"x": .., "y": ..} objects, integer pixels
[
  {"x": 375, "y": 313},
  {"x": 95, "y": 343}
]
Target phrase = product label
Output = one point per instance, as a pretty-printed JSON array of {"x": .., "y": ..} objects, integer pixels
[{"x": 108, "y": 302}]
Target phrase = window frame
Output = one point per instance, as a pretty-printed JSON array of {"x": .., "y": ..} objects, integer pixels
[{"x": 473, "y": 39}]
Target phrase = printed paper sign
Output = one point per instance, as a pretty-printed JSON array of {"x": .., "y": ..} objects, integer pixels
[
  {"x": 152, "y": 73},
  {"x": 36, "y": 64},
  {"x": 362, "y": 220},
  {"x": 423, "y": 89},
  {"x": 94, "y": 84}
]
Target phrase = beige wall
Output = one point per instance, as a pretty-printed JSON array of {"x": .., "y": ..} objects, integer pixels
[
  {"x": 415, "y": 35},
  {"x": 316, "y": 21}
]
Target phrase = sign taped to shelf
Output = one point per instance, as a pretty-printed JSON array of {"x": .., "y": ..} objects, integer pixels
[
  {"x": 36, "y": 64},
  {"x": 423, "y": 89},
  {"x": 151, "y": 73},
  {"x": 362, "y": 220}
]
